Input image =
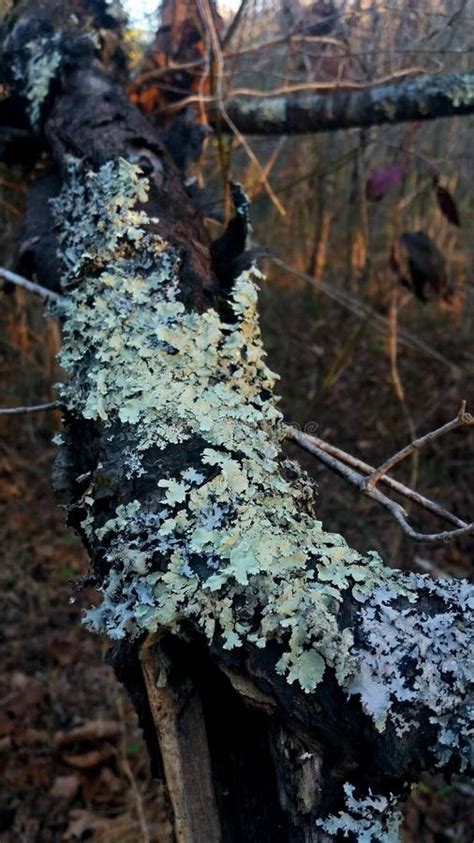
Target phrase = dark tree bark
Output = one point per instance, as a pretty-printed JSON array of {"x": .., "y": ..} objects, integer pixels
[
  {"x": 274, "y": 666},
  {"x": 426, "y": 98}
]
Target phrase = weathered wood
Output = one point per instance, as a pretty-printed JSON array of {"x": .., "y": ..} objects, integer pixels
[{"x": 177, "y": 711}]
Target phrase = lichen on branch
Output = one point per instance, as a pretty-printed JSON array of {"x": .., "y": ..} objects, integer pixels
[{"x": 223, "y": 533}]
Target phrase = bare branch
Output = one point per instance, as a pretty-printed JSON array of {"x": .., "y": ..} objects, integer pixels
[
  {"x": 332, "y": 87},
  {"x": 12, "y": 208},
  {"x": 426, "y": 98},
  {"x": 208, "y": 21},
  {"x": 156, "y": 74},
  {"x": 234, "y": 24},
  {"x": 22, "y": 411},
  {"x": 357, "y": 480},
  {"x": 463, "y": 419},
  {"x": 29, "y": 285},
  {"x": 290, "y": 89},
  {"x": 400, "y": 488}
]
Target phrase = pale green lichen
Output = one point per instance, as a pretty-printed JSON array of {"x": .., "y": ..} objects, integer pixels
[
  {"x": 231, "y": 542},
  {"x": 38, "y": 73},
  {"x": 463, "y": 93},
  {"x": 272, "y": 110}
]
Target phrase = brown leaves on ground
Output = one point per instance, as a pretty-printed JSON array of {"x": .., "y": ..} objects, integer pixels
[
  {"x": 435, "y": 807},
  {"x": 66, "y": 748},
  {"x": 24, "y": 695},
  {"x": 65, "y": 787},
  {"x": 82, "y": 823},
  {"x": 92, "y": 730}
]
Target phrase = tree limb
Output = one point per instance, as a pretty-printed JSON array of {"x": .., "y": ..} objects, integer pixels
[
  {"x": 21, "y": 411},
  {"x": 19, "y": 281},
  {"x": 425, "y": 98}
]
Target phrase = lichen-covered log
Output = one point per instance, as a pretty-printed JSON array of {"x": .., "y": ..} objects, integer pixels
[
  {"x": 425, "y": 98},
  {"x": 201, "y": 533}
]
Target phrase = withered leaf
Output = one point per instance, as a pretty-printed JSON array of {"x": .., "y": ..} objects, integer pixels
[
  {"x": 380, "y": 182},
  {"x": 447, "y": 205}
]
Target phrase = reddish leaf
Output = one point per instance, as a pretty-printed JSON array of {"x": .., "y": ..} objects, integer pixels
[
  {"x": 381, "y": 181},
  {"x": 447, "y": 205}
]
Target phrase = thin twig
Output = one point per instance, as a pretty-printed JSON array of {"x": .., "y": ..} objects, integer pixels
[
  {"x": 334, "y": 87},
  {"x": 394, "y": 508},
  {"x": 208, "y": 21},
  {"x": 364, "y": 468},
  {"x": 23, "y": 411},
  {"x": 234, "y": 24},
  {"x": 463, "y": 419},
  {"x": 393, "y": 348},
  {"x": 400, "y": 393},
  {"x": 285, "y": 90},
  {"x": 12, "y": 185},
  {"x": 8, "y": 275},
  {"x": 158, "y": 72},
  {"x": 266, "y": 170},
  {"x": 11, "y": 208},
  {"x": 284, "y": 39}
]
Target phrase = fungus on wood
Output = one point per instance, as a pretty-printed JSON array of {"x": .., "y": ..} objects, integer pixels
[{"x": 287, "y": 684}]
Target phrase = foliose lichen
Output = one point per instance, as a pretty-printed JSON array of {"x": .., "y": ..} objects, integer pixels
[
  {"x": 438, "y": 644},
  {"x": 370, "y": 819},
  {"x": 463, "y": 93},
  {"x": 230, "y": 540},
  {"x": 37, "y": 73}
]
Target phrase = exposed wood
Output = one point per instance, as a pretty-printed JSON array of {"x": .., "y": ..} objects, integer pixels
[{"x": 177, "y": 711}]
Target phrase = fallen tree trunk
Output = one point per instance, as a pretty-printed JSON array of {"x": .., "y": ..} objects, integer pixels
[
  {"x": 424, "y": 98},
  {"x": 274, "y": 668}
]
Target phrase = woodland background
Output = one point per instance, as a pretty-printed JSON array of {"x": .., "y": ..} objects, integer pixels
[{"x": 71, "y": 755}]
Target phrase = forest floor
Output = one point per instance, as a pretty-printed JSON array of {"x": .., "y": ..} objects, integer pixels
[{"x": 72, "y": 758}]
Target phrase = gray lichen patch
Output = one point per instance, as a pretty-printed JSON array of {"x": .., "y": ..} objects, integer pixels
[
  {"x": 438, "y": 643},
  {"x": 273, "y": 110},
  {"x": 228, "y": 539},
  {"x": 34, "y": 56},
  {"x": 370, "y": 819},
  {"x": 463, "y": 94}
]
